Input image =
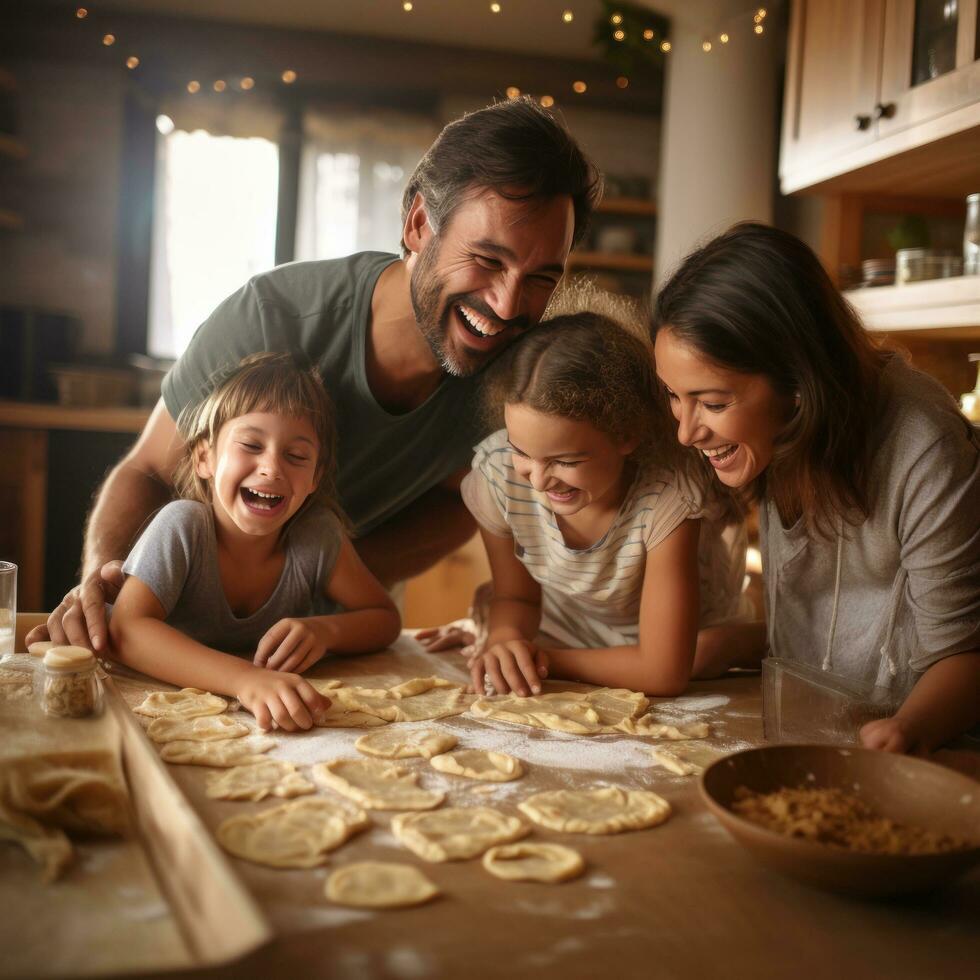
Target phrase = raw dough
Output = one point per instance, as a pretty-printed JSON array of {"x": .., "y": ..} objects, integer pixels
[
  {"x": 376, "y": 785},
  {"x": 222, "y": 753},
  {"x": 186, "y": 703},
  {"x": 493, "y": 767},
  {"x": 326, "y": 686},
  {"x": 420, "y": 699},
  {"x": 270, "y": 777},
  {"x": 673, "y": 762},
  {"x": 205, "y": 729},
  {"x": 16, "y": 684},
  {"x": 396, "y": 743},
  {"x": 294, "y": 835},
  {"x": 340, "y": 716},
  {"x": 456, "y": 833},
  {"x": 41, "y": 647},
  {"x": 600, "y": 711},
  {"x": 532, "y": 861},
  {"x": 379, "y": 885},
  {"x": 606, "y": 810}
]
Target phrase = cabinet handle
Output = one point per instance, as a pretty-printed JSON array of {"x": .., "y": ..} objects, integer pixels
[
  {"x": 884, "y": 110},
  {"x": 863, "y": 122}
]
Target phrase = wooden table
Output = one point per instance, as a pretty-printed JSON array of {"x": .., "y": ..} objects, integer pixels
[{"x": 680, "y": 900}]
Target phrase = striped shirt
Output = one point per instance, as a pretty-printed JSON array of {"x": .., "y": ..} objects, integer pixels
[{"x": 590, "y": 597}]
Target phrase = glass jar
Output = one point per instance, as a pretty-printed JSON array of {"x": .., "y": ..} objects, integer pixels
[
  {"x": 971, "y": 237},
  {"x": 69, "y": 685}
]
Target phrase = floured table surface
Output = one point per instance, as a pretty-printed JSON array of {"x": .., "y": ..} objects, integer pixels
[{"x": 677, "y": 900}]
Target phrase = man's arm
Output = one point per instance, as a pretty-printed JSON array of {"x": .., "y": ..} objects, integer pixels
[
  {"x": 139, "y": 484},
  {"x": 431, "y": 527}
]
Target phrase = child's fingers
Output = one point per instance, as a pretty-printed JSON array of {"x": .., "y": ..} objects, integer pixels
[
  {"x": 316, "y": 702},
  {"x": 281, "y": 713},
  {"x": 492, "y": 667},
  {"x": 269, "y": 642},
  {"x": 263, "y": 717},
  {"x": 293, "y": 643},
  {"x": 513, "y": 675},
  {"x": 298, "y": 711},
  {"x": 541, "y": 663},
  {"x": 528, "y": 667},
  {"x": 476, "y": 675}
]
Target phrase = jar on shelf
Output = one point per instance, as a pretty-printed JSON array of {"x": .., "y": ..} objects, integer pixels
[{"x": 69, "y": 685}]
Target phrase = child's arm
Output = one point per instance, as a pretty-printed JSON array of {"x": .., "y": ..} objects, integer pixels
[
  {"x": 944, "y": 703},
  {"x": 371, "y": 621},
  {"x": 661, "y": 663},
  {"x": 510, "y": 658},
  {"x": 727, "y": 645},
  {"x": 141, "y": 640}
]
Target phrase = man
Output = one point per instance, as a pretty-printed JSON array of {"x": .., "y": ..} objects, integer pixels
[{"x": 489, "y": 217}]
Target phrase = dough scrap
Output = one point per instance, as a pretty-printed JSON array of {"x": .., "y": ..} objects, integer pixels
[
  {"x": 492, "y": 767},
  {"x": 395, "y": 743},
  {"x": 41, "y": 798},
  {"x": 222, "y": 753},
  {"x": 534, "y": 861},
  {"x": 379, "y": 885},
  {"x": 205, "y": 729},
  {"x": 673, "y": 762},
  {"x": 605, "y": 810},
  {"x": 186, "y": 703},
  {"x": 456, "y": 833},
  {"x": 270, "y": 777},
  {"x": 298, "y": 834},
  {"x": 601, "y": 711},
  {"x": 376, "y": 785},
  {"x": 326, "y": 686}
]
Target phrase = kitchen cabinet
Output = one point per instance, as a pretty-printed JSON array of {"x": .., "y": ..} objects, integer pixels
[{"x": 872, "y": 80}]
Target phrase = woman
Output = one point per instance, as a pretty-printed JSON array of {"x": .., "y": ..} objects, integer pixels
[{"x": 867, "y": 476}]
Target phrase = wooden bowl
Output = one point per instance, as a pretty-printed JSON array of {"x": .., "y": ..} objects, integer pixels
[{"x": 906, "y": 789}]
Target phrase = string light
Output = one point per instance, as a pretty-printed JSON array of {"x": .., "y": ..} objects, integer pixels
[
  {"x": 619, "y": 35},
  {"x": 407, "y": 6},
  {"x": 132, "y": 62},
  {"x": 219, "y": 86},
  {"x": 648, "y": 35},
  {"x": 622, "y": 82},
  {"x": 568, "y": 17},
  {"x": 513, "y": 92},
  {"x": 616, "y": 19},
  {"x": 665, "y": 46},
  {"x": 289, "y": 76},
  {"x": 579, "y": 87},
  {"x": 108, "y": 40},
  {"x": 547, "y": 101},
  {"x": 723, "y": 38},
  {"x": 247, "y": 83},
  {"x": 705, "y": 46},
  {"x": 193, "y": 87},
  {"x": 81, "y": 13},
  {"x": 758, "y": 28},
  {"x": 495, "y": 8}
]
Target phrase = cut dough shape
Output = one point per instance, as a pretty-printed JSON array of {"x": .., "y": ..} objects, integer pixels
[
  {"x": 339, "y": 715},
  {"x": 606, "y": 810},
  {"x": 206, "y": 729},
  {"x": 270, "y": 777},
  {"x": 222, "y": 753},
  {"x": 187, "y": 703},
  {"x": 420, "y": 699},
  {"x": 294, "y": 835},
  {"x": 534, "y": 861},
  {"x": 456, "y": 833},
  {"x": 396, "y": 743},
  {"x": 673, "y": 762},
  {"x": 379, "y": 885},
  {"x": 492, "y": 767},
  {"x": 601, "y": 711},
  {"x": 376, "y": 785}
]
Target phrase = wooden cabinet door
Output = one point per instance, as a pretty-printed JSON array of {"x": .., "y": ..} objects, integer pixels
[
  {"x": 930, "y": 61},
  {"x": 832, "y": 80}
]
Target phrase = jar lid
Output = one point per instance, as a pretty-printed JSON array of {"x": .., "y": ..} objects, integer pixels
[
  {"x": 40, "y": 648},
  {"x": 69, "y": 658}
]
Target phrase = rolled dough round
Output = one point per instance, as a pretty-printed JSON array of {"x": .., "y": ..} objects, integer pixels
[
  {"x": 533, "y": 861},
  {"x": 492, "y": 767},
  {"x": 187, "y": 703},
  {"x": 206, "y": 729},
  {"x": 222, "y": 753},
  {"x": 376, "y": 785},
  {"x": 396, "y": 743},
  {"x": 456, "y": 833},
  {"x": 270, "y": 777},
  {"x": 379, "y": 885},
  {"x": 606, "y": 810}
]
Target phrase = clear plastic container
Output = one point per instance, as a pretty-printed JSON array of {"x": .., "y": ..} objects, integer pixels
[
  {"x": 803, "y": 704},
  {"x": 69, "y": 686}
]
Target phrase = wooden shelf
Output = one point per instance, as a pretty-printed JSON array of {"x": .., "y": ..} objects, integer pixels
[
  {"x": 948, "y": 305},
  {"x": 611, "y": 261},
  {"x": 12, "y": 147},
  {"x": 627, "y": 205},
  {"x": 44, "y": 415}
]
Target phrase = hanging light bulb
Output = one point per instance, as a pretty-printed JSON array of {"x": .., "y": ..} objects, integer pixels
[
  {"x": 579, "y": 87},
  {"x": 219, "y": 85},
  {"x": 758, "y": 28},
  {"x": 289, "y": 76},
  {"x": 193, "y": 87},
  {"x": 705, "y": 46},
  {"x": 407, "y": 6},
  {"x": 622, "y": 82},
  {"x": 568, "y": 17},
  {"x": 547, "y": 101},
  {"x": 619, "y": 35},
  {"x": 495, "y": 8},
  {"x": 247, "y": 83},
  {"x": 616, "y": 19},
  {"x": 723, "y": 38},
  {"x": 665, "y": 46},
  {"x": 81, "y": 13},
  {"x": 513, "y": 92},
  {"x": 648, "y": 34},
  {"x": 132, "y": 62},
  {"x": 108, "y": 40}
]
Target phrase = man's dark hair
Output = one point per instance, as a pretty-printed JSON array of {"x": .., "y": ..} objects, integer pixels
[{"x": 515, "y": 148}]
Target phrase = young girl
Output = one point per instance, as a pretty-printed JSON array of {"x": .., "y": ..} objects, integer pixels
[
  {"x": 246, "y": 559},
  {"x": 604, "y": 562}
]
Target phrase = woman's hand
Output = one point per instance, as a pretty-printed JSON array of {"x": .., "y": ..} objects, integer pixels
[
  {"x": 280, "y": 700},
  {"x": 888, "y": 735},
  {"x": 291, "y": 646},
  {"x": 510, "y": 665}
]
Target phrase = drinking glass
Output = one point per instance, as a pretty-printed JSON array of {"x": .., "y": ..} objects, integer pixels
[{"x": 8, "y": 608}]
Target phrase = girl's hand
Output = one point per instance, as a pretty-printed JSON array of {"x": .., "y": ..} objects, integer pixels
[
  {"x": 436, "y": 639},
  {"x": 280, "y": 700},
  {"x": 291, "y": 646},
  {"x": 513, "y": 665},
  {"x": 888, "y": 735}
]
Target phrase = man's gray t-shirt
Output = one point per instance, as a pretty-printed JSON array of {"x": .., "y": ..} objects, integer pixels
[
  {"x": 909, "y": 590},
  {"x": 384, "y": 461},
  {"x": 176, "y": 557}
]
